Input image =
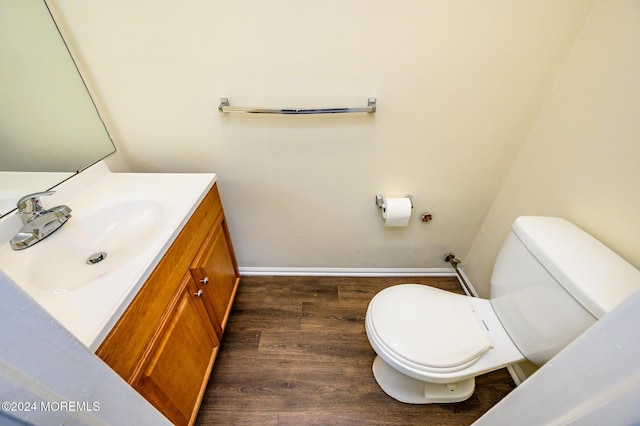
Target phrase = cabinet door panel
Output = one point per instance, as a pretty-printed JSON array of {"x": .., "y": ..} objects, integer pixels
[
  {"x": 175, "y": 370},
  {"x": 215, "y": 272}
]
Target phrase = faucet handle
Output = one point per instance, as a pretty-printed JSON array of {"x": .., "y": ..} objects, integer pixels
[{"x": 30, "y": 204}]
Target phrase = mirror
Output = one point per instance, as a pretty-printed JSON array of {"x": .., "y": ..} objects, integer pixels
[{"x": 49, "y": 126}]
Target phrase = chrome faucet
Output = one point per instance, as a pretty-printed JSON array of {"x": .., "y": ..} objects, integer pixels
[{"x": 37, "y": 222}]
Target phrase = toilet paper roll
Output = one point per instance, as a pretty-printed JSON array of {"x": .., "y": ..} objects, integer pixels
[{"x": 396, "y": 211}]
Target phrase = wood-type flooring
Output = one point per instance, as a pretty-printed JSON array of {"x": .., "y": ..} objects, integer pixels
[{"x": 295, "y": 352}]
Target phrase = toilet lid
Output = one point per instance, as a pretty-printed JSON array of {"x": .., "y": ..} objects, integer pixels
[{"x": 427, "y": 326}]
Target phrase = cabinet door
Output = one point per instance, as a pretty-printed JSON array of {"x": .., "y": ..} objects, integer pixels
[
  {"x": 176, "y": 368},
  {"x": 216, "y": 273}
]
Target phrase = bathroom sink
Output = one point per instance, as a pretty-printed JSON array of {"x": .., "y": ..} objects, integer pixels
[
  {"x": 110, "y": 237},
  {"x": 123, "y": 223}
]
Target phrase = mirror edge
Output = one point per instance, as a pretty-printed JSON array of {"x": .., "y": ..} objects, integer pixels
[
  {"x": 58, "y": 20},
  {"x": 83, "y": 71}
]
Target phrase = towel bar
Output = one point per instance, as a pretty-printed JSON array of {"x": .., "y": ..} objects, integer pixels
[{"x": 225, "y": 107}]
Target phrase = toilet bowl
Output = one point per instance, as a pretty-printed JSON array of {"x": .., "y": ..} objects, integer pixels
[
  {"x": 430, "y": 343},
  {"x": 550, "y": 282}
]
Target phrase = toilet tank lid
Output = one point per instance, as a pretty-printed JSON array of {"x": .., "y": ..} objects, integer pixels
[{"x": 592, "y": 273}]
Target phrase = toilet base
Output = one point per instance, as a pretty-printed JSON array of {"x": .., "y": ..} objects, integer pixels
[{"x": 412, "y": 391}]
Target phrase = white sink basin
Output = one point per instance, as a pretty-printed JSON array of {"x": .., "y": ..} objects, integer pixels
[
  {"x": 131, "y": 217},
  {"x": 119, "y": 233}
]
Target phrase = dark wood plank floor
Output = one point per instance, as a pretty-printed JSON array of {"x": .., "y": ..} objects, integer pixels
[{"x": 295, "y": 352}]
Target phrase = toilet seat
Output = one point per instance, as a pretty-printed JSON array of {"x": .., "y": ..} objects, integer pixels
[
  {"x": 431, "y": 344},
  {"x": 426, "y": 329}
]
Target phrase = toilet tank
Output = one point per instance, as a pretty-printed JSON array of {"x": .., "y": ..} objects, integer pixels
[{"x": 552, "y": 280}]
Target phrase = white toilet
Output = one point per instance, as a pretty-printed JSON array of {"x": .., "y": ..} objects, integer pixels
[{"x": 550, "y": 282}]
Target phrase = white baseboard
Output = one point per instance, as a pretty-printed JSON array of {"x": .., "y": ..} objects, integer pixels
[
  {"x": 249, "y": 271},
  {"x": 346, "y": 272},
  {"x": 516, "y": 374}
]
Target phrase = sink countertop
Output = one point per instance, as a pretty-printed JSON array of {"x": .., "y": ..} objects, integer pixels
[{"x": 90, "y": 311}]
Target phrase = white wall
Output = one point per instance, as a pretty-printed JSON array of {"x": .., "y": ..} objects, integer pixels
[
  {"x": 594, "y": 381},
  {"x": 43, "y": 367},
  {"x": 580, "y": 158},
  {"x": 458, "y": 85}
]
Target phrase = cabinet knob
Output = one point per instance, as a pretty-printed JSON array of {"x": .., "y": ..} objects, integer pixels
[
  {"x": 198, "y": 294},
  {"x": 204, "y": 281}
]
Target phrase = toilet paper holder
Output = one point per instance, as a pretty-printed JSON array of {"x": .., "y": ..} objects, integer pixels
[{"x": 380, "y": 202}]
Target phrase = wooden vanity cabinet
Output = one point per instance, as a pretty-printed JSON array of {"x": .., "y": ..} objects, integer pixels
[
  {"x": 174, "y": 372},
  {"x": 166, "y": 342},
  {"x": 215, "y": 271}
]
